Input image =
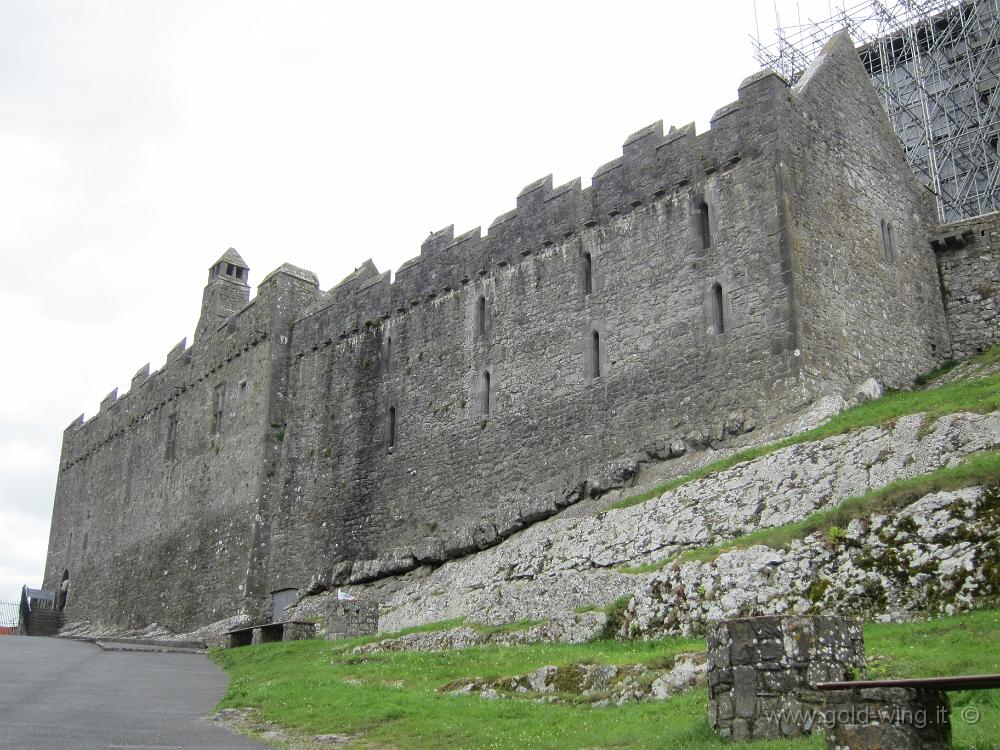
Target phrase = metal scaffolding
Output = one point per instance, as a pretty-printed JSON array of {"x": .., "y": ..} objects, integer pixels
[{"x": 935, "y": 65}]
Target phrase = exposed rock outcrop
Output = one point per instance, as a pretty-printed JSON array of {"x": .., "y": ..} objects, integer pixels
[
  {"x": 559, "y": 565},
  {"x": 937, "y": 555},
  {"x": 580, "y": 628},
  {"x": 597, "y": 684}
]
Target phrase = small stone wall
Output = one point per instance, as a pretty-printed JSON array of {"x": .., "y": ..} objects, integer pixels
[
  {"x": 298, "y": 631},
  {"x": 761, "y": 671},
  {"x": 346, "y": 618},
  {"x": 968, "y": 257},
  {"x": 890, "y": 718}
]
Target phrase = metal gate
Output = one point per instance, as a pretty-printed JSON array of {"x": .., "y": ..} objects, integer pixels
[{"x": 9, "y": 613}]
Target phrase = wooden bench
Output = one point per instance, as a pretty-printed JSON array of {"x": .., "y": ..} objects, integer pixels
[
  {"x": 948, "y": 684},
  {"x": 897, "y": 713},
  {"x": 286, "y": 630}
]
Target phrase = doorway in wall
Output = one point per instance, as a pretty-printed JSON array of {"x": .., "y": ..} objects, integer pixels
[{"x": 281, "y": 599}]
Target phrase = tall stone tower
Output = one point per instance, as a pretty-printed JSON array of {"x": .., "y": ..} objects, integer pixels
[{"x": 226, "y": 292}]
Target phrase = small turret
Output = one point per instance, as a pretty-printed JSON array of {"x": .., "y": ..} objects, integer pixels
[
  {"x": 226, "y": 293},
  {"x": 231, "y": 264}
]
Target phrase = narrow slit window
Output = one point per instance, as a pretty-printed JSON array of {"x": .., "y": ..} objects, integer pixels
[
  {"x": 595, "y": 354},
  {"x": 486, "y": 394},
  {"x": 391, "y": 427},
  {"x": 704, "y": 228},
  {"x": 170, "y": 448},
  {"x": 889, "y": 241},
  {"x": 243, "y": 391},
  {"x": 588, "y": 274},
  {"x": 218, "y": 407},
  {"x": 718, "y": 315},
  {"x": 481, "y": 317},
  {"x": 388, "y": 355}
]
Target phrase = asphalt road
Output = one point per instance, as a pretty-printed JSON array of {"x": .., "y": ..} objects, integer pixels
[{"x": 67, "y": 695}]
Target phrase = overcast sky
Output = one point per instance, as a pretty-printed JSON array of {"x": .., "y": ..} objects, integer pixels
[{"x": 139, "y": 140}]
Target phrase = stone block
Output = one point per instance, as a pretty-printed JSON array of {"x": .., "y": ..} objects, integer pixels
[
  {"x": 892, "y": 719},
  {"x": 298, "y": 631},
  {"x": 346, "y": 618}
]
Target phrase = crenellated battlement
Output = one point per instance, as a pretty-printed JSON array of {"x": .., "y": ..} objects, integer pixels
[
  {"x": 183, "y": 369},
  {"x": 653, "y": 165}
]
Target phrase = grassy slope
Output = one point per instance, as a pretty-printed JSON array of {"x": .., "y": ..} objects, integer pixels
[
  {"x": 390, "y": 699},
  {"x": 977, "y": 395}
]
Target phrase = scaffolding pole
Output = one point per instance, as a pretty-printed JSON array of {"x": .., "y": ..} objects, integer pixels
[{"x": 935, "y": 65}]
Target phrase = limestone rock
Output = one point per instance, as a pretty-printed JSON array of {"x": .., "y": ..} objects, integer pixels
[
  {"x": 869, "y": 390},
  {"x": 556, "y": 566},
  {"x": 932, "y": 557},
  {"x": 597, "y": 684},
  {"x": 818, "y": 413}
]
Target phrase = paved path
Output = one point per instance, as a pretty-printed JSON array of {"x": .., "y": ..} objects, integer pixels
[{"x": 60, "y": 695}]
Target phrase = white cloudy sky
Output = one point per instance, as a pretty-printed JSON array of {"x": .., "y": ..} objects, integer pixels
[{"x": 139, "y": 140}]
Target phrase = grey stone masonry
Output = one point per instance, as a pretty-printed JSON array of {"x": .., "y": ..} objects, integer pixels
[
  {"x": 887, "y": 718},
  {"x": 968, "y": 257},
  {"x": 761, "y": 672},
  {"x": 348, "y": 618},
  {"x": 44, "y": 622},
  {"x": 298, "y": 631},
  {"x": 702, "y": 286}
]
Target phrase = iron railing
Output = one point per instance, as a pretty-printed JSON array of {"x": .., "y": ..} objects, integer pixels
[{"x": 9, "y": 616}]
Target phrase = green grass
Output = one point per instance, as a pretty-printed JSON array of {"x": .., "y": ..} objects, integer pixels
[
  {"x": 966, "y": 644},
  {"x": 979, "y": 395},
  {"x": 430, "y": 627},
  {"x": 977, "y": 469},
  {"x": 390, "y": 700}
]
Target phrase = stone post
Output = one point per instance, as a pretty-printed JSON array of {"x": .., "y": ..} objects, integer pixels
[
  {"x": 346, "y": 618},
  {"x": 761, "y": 671}
]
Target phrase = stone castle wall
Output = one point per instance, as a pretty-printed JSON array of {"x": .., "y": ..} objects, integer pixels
[
  {"x": 865, "y": 310},
  {"x": 458, "y": 478},
  {"x": 357, "y": 440},
  {"x": 147, "y": 537},
  {"x": 968, "y": 256}
]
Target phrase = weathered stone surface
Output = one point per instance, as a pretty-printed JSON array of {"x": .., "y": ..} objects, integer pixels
[
  {"x": 547, "y": 571},
  {"x": 761, "y": 672},
  {"x": 869, "y": 390},
  {"x": 559, "y": 565},
  {"x": 968, "y": 255},
  {"x": 298, "y": 631},
  {"x": 600, "y": 685},
  {"x": 889, "y": 718},
  {"x": 935, "y": 556},
  {"x": 576, "y": 629}
]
